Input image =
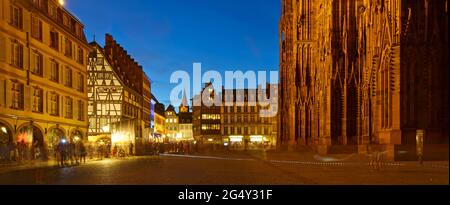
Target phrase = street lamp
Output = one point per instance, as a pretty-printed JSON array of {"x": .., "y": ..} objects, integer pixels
[
  {"x": 4, "y": 130},
  {"x": 61, "y": 2},
  {"x": 105, "y": 128}
]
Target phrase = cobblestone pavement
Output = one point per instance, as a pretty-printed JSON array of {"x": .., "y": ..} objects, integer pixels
[{"x": 227, "y": 170}]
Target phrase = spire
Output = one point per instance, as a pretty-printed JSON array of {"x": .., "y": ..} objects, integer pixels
[{"x": 184, "y": 102}]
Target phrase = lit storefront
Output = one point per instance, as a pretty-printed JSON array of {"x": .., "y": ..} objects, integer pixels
[{"x": 252, "y": 142}]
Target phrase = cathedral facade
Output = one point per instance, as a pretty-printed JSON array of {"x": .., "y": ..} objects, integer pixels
[{"x": 358, "y": 72}]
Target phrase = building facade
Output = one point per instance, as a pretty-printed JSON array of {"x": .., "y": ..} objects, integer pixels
[
  {"x": 158, "y": 121},
  {"x": 242, "y": 125},
  {"x": 118, "y": 92},
  {"x": 363, "y": 72},
  {"x": 206, "y": 120},
  {"x": 43, "y": 95},
  {"x": 146, "y": 107},
  {"x": 172, "y": 124},
  {"x": 185, "y": 121}
]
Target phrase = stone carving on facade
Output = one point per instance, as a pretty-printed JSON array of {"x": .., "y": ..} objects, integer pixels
[{"x": 347, "y": 71}]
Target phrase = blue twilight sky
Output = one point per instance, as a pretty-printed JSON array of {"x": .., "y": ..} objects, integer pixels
[{"x": 169, "y": 35}]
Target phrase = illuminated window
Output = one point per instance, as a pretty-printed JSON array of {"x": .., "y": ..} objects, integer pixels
[
  {"x": 80, "y": 53},
  {"x": 16, "y": 17},
  {"x": 37, "y": 63},
  {"x": 69, "y": 108},
  {"x": 54, "y": 71},
  {"x": 16, "y": 54},
  {"x": 54, "y": 40},
  {"x": 80, "y": 84},
  {"x": 66, "y": 21},
  {"x": 17, "y": 95},
  {"x": 36, "y": 28},
  {"x": 37, "y": 100},
  {"x": 54, "y": 104},
  {"x": 68, "y": 80},
  {"x": 68, "y": 47},
  {"x": 52, "y": 10}
]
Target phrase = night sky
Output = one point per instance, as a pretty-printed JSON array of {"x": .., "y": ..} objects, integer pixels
[{"x": 169, "y": 35}]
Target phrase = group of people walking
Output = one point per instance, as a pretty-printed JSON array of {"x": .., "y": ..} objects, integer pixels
[
  {"x": 182, "y": 147},
  {"x": 376, "y": 158},
  {"x": 120, "y": 151},
  {"x": 21, "y": 152},
  {"x": 70, "y": 153}
]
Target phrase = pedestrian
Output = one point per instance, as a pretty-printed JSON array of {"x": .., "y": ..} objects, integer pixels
[
  {"x": 60, "y": 154},
  {"x": 131, "y": 149},
  {"x": 82, "y": 153},
  {"x": 114, "y": 151},
  {"x": 100, "y": 152},
  {"x": 380, "y": 160},
  {"x": 13, "y": 151},
  {"x": 71, "y": 152},
  {"x": 19, "y": 151},
  {"x": 108, "y": 150},
  {"x": 90, "y": 151},
  {"x": 77, "y": 153},
  {"x": 185, "y": 147}
]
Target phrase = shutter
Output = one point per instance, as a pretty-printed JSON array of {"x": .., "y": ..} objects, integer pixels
[
  {"x": 3, "y": 49},
  {"x": 60, "y": 43},
  {"x": 74, "y": 79},
  {"x": 75, "y": 109},
  {"x": 10, "y": 14},
  {"x": 45, "y": 34},
  {"x": 21, "y": 56},
  {"x": 26, "y": 22},
  {"x": 2, "y": 93},
  {"x": 46, "y": 68},
  {"x": 8, "y": 96},
  {"x": 61, "y": 106},
  {"x": 21, "y": 25},
  {"x": 46, "y": 102},
  {"x": 61, "y": 74},
  {"x": 40, "y": 30},
  {"x": 32, "y": 60},
  {"x": 27, "y": 97}
]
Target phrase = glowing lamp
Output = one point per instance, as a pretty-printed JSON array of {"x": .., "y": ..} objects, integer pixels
[
  {"x": 105, "y": 128},
  {"x": 256, "y": 138},
  {"x": 4, "y": 130}
]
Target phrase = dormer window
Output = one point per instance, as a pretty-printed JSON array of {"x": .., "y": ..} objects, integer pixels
[{"x": 52, "y": 10}]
